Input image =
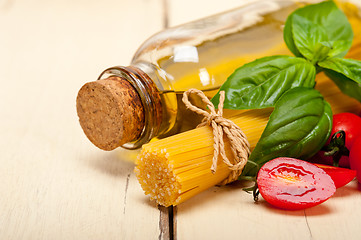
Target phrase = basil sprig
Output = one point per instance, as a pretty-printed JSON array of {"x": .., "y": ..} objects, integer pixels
[
  {"x": 319, "y": 36},
  {"x": 318, "y": 31},
  {"x": 322, "y": 34}
]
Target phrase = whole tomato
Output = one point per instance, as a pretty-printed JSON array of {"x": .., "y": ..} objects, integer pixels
[
  {"x": 355, "y": 157},
  {"x": 348, "y": 122},
  {"x": 345, "y": 128}
]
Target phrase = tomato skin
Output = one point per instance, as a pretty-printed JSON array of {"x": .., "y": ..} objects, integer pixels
[
  {"x": 348, "y": 122},
  {"x": 293, "y": 184},
  {"x": 340, "y": 176},
  {"x": 355, "y": 157}
]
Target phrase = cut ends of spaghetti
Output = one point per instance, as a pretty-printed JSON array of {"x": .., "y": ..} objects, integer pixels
[{"x": 157, "y": 178}]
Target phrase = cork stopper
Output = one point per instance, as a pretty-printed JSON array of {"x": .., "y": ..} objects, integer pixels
[{"x": 110, "y": 112}]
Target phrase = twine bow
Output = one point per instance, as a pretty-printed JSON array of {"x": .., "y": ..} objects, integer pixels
[{"x": 220, "y": 125}]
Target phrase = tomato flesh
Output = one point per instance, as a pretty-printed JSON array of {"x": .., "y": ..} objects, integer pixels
[
  {"x": 293, "y": 184},
  {"x": 340, "y": 176},
  {"x": 355, "y": 158}
]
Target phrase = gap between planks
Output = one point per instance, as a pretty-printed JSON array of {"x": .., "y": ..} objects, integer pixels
[{"x": 167, "y": 223}]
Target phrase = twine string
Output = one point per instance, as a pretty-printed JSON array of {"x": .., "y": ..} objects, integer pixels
[{"x": 222, "y": 127}]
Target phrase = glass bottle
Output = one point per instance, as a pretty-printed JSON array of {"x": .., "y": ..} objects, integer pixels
[{"x": 128, "y": 106}]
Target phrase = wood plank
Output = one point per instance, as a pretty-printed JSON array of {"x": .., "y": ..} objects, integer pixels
[
  {"x": 55, "y": 183},
  {"x": 228, "y": 212},
  {"x": 339, "y": 216}
]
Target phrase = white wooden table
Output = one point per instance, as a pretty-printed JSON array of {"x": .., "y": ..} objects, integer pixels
[{"x": 56, "y": 185}]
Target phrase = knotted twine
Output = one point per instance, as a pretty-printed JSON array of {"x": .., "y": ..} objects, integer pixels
[{"x": 238, "y": 141}]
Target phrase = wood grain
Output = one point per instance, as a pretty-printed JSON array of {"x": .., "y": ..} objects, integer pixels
[
  {"x": 55, "y": 183},
  {"x": 228, "y": 212}
]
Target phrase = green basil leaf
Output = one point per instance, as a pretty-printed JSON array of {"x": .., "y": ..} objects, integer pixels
[
  {"x": 261, "y": 83},
  {"x": 318, "y": 31},
  {"x": 288, "y": 37},
  {"x": 310, "y": 39},
  {"x": 350, "y": 68},
  {"x": 346, "y": 73},
  {"x": 298, "y": 127}
]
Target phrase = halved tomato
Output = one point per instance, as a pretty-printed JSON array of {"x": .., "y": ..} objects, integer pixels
[
  {"x": 340, "y": 176},
  {"x": 293, "y": 184}
]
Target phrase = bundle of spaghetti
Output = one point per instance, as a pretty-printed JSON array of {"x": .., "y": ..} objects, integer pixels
[{"x": 174, "y": 169}]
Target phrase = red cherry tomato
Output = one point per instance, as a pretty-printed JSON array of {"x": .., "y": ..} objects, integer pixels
[
  {"x": 348, "y": 122},
  {"x": 340, "y": 176},
  {"x": 293, "y": 184},
  {"x": 355, "y": 157}
]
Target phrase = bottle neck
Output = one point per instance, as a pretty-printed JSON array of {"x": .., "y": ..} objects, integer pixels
[{"x": 150, "y": 99}]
